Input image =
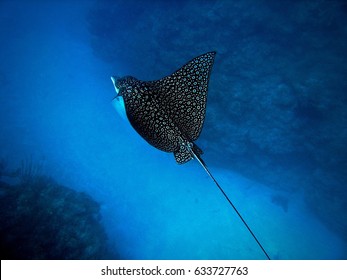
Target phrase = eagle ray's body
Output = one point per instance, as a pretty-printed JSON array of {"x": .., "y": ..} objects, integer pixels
[{"x": 169, "y": 113}]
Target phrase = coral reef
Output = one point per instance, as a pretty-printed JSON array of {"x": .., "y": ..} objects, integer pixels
[{"x": 40, "y": 219}]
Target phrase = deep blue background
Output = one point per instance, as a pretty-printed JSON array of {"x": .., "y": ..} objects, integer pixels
[{"x": 274, "y": 136}]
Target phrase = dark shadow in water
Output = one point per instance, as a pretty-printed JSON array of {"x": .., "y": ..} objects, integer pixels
[{"x": 281, "y": 201}]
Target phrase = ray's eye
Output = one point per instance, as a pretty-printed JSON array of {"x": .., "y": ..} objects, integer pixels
[{"x": 119, "y": 84}]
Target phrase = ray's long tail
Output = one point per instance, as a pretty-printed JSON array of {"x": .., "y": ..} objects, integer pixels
[{"x": 199, "y": 159}]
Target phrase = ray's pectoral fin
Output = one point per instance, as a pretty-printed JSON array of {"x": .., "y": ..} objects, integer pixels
[
  {"x": 182, "y": 155},
  {"x": 185, "y": 152}
]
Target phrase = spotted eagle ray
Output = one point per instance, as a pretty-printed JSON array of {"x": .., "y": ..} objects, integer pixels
[{"x": 169, "y": 113}]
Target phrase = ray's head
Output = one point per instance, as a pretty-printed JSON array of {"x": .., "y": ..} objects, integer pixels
[{"x": 120, "y": 84}]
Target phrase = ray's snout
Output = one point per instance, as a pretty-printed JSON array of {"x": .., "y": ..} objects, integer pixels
[
  {"x": 118, "y": 101},
  {"x": 114, "y": 80}
]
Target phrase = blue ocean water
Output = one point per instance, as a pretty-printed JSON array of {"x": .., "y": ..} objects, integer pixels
[{"x": 274, "y": 135}]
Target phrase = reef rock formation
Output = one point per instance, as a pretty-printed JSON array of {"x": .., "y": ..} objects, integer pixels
[{"x": 40, "y": 219}]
